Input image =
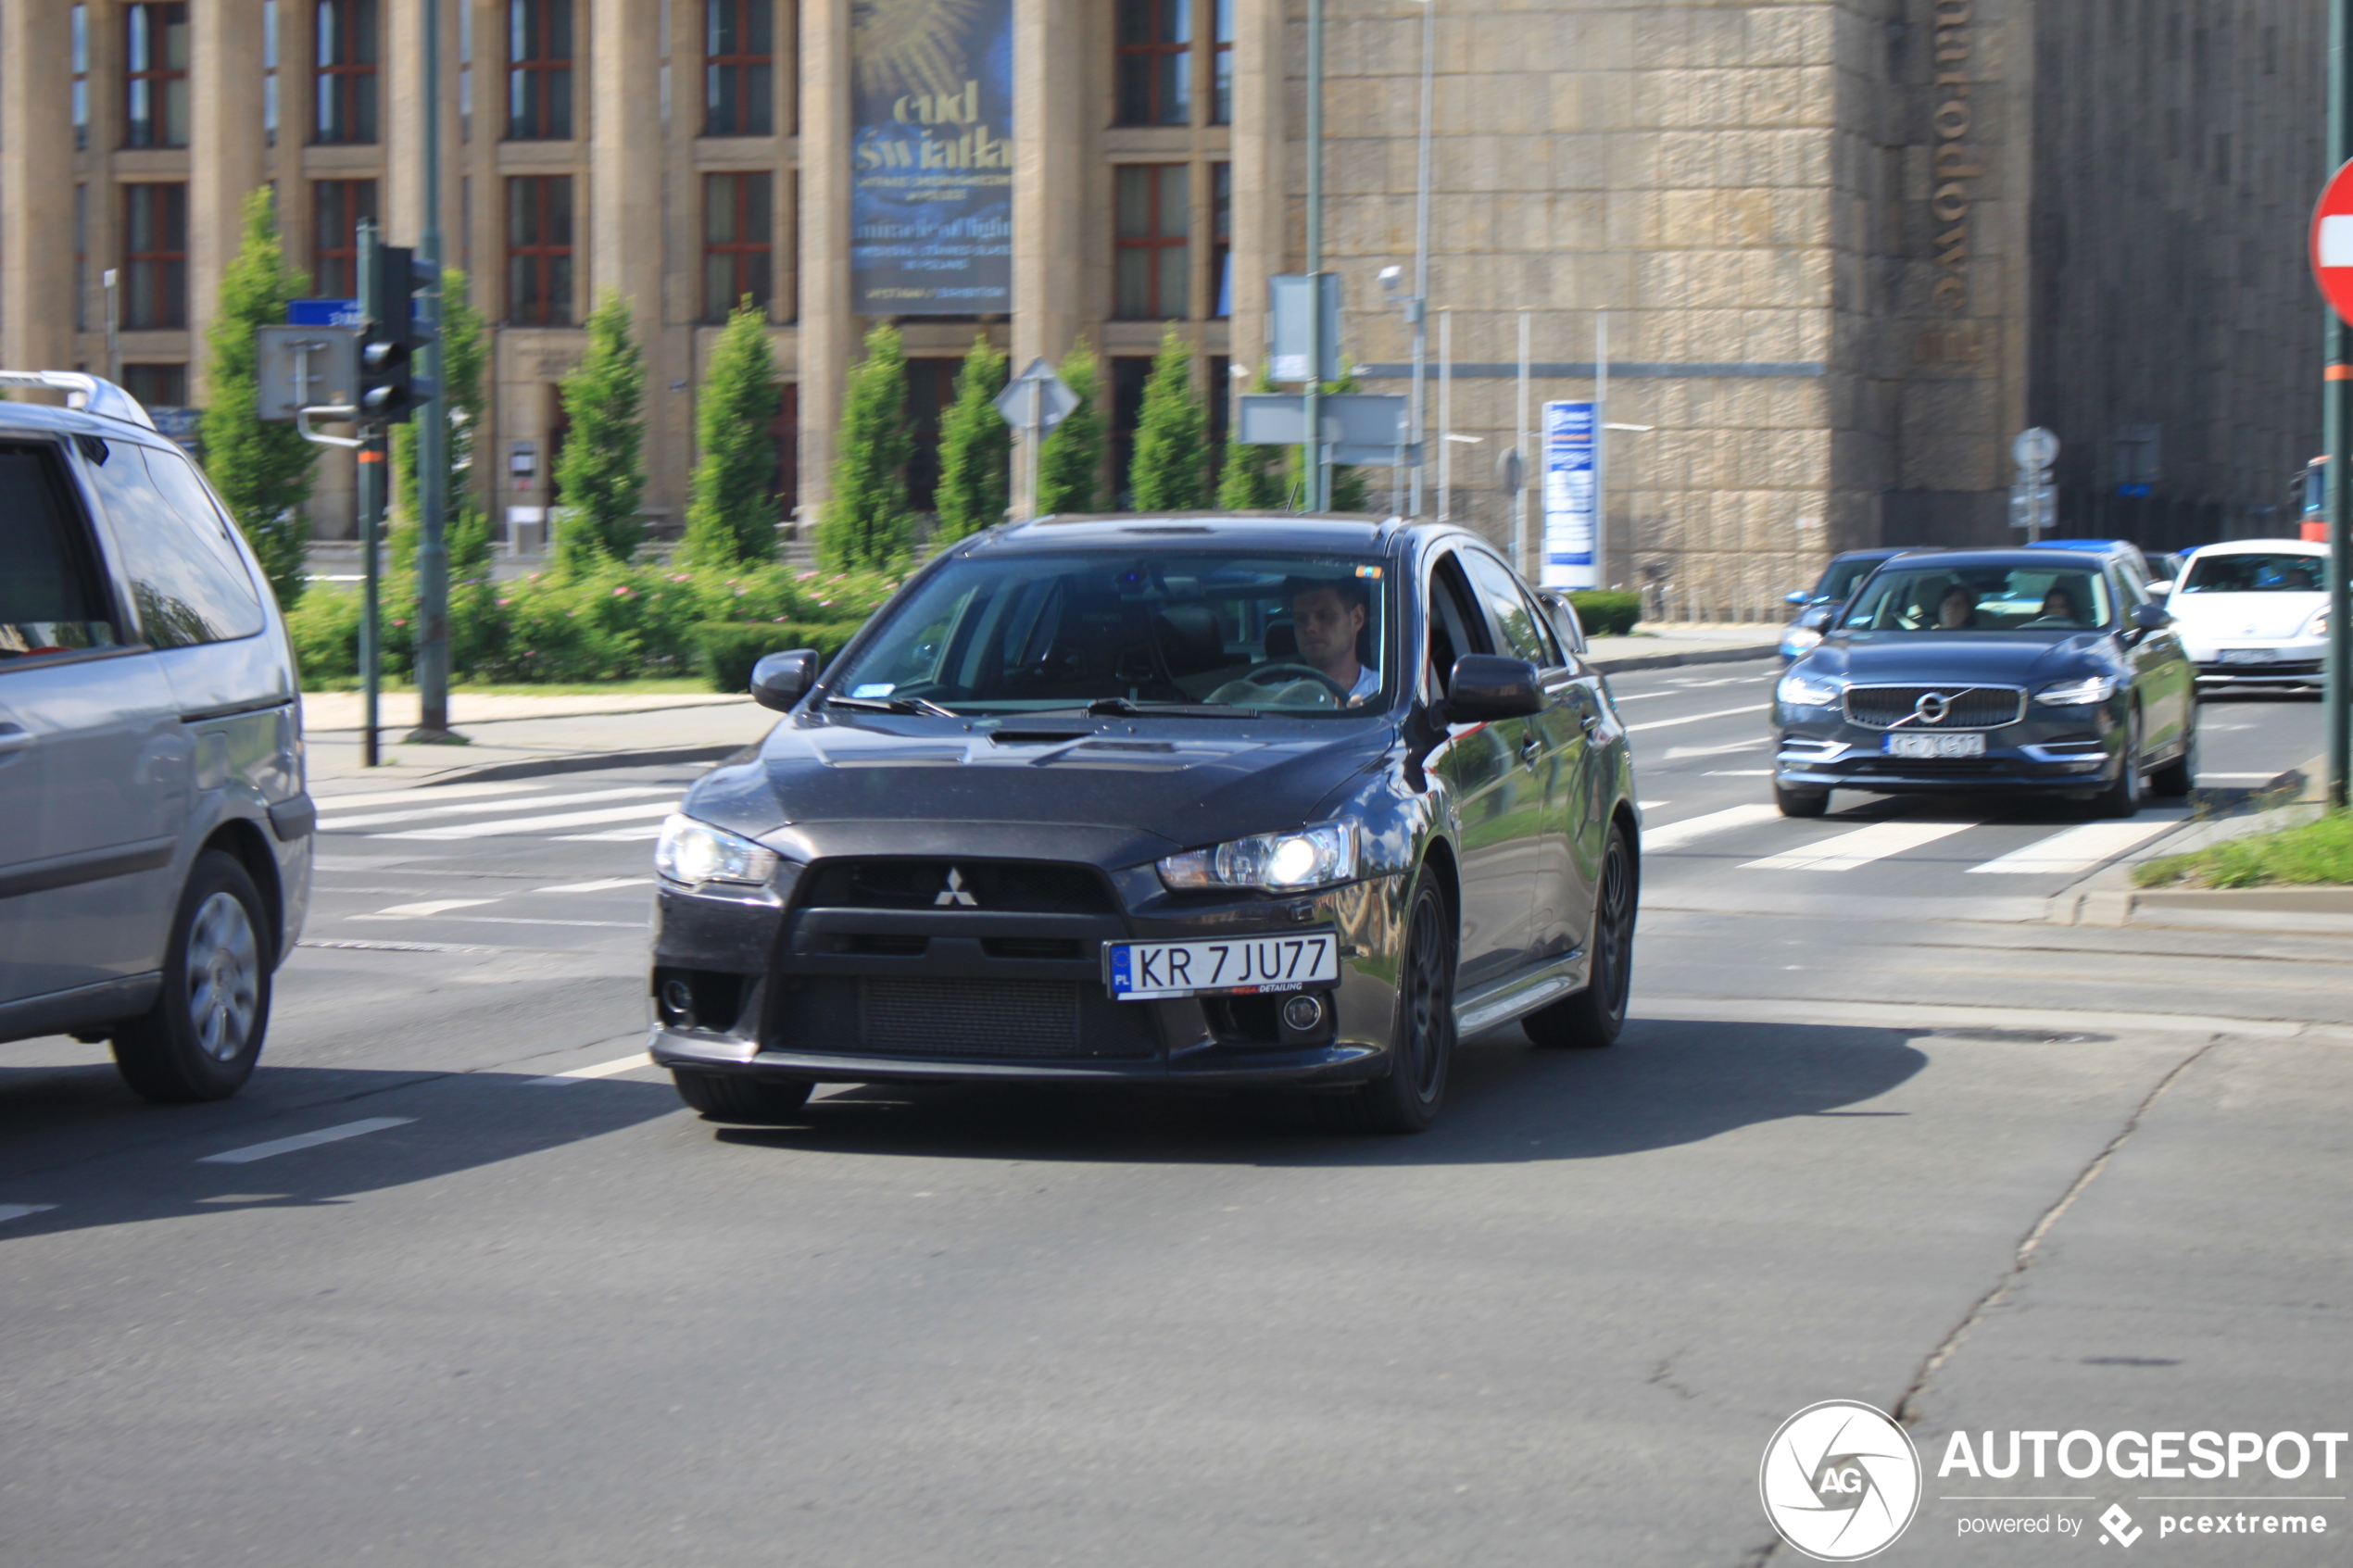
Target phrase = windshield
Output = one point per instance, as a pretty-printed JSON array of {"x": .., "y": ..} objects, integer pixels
[
  {"x": 1839, "y": 579},
  {"x": 1981, "y": 598},
  {"x": 2255, "y": 574},
  {"x": 1005, "y": 634}
]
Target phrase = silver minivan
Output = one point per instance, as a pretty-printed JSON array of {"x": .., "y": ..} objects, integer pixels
[{"x": 155, "y": 826}]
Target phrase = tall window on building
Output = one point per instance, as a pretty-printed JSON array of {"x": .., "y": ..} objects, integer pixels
[
  {"x": 1152, "y": 251},
  {"x": 82, "y": 258},
  {"x": 539, "y": 250},
  {"x": 158, "y": 386},
  {"x": 783, "y": 442},
  {"x": 1155, "y": 62},
  {"x": 1221, "y": 74},
  {"x": 155, "y": 257},
  {"x": 739, "y": 67},
  {"x": 340, "y": 206},
  {"x": 269, "y": 72},
  {"x": 155, "y": 75},
  {"x": 539, "y": 71},
  {"x": 739, "y": 242},
  {"x": 347, "y": 70},
  {"x": 81, "y": 76},
  {"x": 1221, "y": 239}
]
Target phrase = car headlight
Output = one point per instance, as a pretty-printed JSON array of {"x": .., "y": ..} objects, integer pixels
[
  {"x": 1799, "y": 639},
  {"x": 1799, "y": 690},
  {"x": 693, "y": 852},
  {"x": 2318, "y": 626},
  {"x": 1277, "y": 862},
  {"x": 2087, "y": 693}
]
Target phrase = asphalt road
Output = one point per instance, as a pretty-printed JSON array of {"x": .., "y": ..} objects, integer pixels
[{"x": 457, "y": 1282}]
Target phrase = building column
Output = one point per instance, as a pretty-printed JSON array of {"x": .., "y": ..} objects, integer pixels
[
  {"x": 224, "y": 158},
  {"x": 1262, "y": 239},
  {"x": 36, "y": 188},
  {"x": 828, "y": 330},
  {"x": 1051, "y": 98},
  {"x": 624, "y": 207}
]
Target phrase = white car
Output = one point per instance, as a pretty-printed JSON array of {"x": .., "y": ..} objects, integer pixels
[{"x": 2254, "y": 612}]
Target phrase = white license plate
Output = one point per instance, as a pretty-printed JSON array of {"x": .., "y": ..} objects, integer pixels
[
  {"x": 1239, "y": 966},
  {"x": 1936, "y": 745},
  {"x": 2250, "y": 656}
]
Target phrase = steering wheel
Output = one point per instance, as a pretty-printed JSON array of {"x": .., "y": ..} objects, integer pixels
[
  {"x": 1267, "y": 674},
  {"x": 2051, "y": 623}
]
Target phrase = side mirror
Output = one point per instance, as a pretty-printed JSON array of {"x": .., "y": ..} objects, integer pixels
[
  {"x": 2150, "y": 618},
  {"x": 779, "y": 680},
  {"x": 1796, "y": 597},
  {"x": 1484, "y": 687}
]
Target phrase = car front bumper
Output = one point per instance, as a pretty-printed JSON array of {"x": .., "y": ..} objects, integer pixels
[
  {"x": 2071, "y": 750},
  {"x": 879, "y": 996},
  {"x": 2292, "y": 661}
]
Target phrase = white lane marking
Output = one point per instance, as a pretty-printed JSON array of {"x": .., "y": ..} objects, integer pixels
[
  {"x": 1678, "y": 753},
  {"x": 2077, "y": 849},
  {"x": 2203, "y": 774},
  {"x": 19, "y": 1210},
  {"x": 431, "y": 907},
  {"x": 1654, "y": 805},
  {"x": 1701, "y": 718},
  {"x": 417, "y": 793},
  {"x": 604, "y": 885},
  {"x": 1674, "y": 836},
  {"x": 466, "y": 808},
  {"x": 582, "y": 1074},
  {"x": 519, "y": 920},
  {"x": 252, "y": 1152},
  {"x": 624, "y": 836},
  {"x": 1740, "y": 773},
  {"x": 1848, "y": 851},
  {"x": 532, "y": 824}
]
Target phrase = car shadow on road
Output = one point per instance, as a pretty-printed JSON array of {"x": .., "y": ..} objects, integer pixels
[{"x": 1664, "y": 1084}]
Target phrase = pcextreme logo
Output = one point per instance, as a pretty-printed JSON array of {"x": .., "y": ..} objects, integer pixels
[{"x": 1840, "y": 1480}]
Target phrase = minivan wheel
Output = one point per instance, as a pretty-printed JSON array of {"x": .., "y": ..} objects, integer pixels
[
  {"x": 1421, "y": 1040},
  {"x": 203, "y": 1035},
  {"x": 1593, "y": 1017},
  {"x": 727, "y": 1097},
  {"x": 1801, "y": 802}
]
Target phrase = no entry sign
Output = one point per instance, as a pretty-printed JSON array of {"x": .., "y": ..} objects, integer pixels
[{"x": 2333, "y": 241}]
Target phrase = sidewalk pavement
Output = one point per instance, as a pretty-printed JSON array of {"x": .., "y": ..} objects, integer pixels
[
  {"x": 1674, "y": 645},
  {"x": 515, "y": 737}
]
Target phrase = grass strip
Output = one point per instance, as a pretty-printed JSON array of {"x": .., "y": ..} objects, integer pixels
[{"x": 2315, "y": 853}]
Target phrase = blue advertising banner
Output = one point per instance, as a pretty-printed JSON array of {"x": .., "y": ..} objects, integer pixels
[
  {"x": 1568, "y": 496},
  {"x": 931, "y": 195}
]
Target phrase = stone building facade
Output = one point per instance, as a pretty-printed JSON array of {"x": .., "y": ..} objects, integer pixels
[{"x": 1846, "y": 249}]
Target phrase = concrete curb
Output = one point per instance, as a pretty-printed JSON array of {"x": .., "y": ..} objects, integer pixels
[
  {"x": 1678, "y": 660},
  {"x": 2107, "y": 897}
]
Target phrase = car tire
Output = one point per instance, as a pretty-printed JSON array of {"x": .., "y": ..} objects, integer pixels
[
  {"x": 1421, "y": 1038},
  {"x": 2177, "y": 778},
  {"x": 725, "y": 1096},
  {"x": 1592, "y": 1017},
  {"x": 1801, "y": 802},
  {"x": 2123, "y": 798},
  {"x": 201, "y": 1039}
]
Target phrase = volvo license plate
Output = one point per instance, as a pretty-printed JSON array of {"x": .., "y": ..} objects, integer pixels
[
  {"x": 1139, "y": 972},
  {"x": 1936, "y": 745}
]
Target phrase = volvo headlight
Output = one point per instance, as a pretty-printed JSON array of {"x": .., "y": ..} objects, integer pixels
[
  {"x": 1799, "y": 639},
  {"x": 2088, "y": 693},
  {"x": 1798, "y": 690},
  {"x": 693, "y": 852},
  {"x": 1277, "y": 862}
]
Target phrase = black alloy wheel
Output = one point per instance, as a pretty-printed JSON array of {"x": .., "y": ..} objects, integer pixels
[
  {"x": 201, "y": 1039},
  {"x": 1421, "y": 1042},
  {"x": 725, "y": 1096},
  {"x": 1593, "y": 1017},
  {"x": 2123, "y": 798},
  {"x": 1801, "y": 802},
  {"x": 2177, "y": 778}
]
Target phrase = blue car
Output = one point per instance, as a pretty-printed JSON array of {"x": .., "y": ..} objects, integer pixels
[
  {"x": 2123, "y": 552},
  {"x": 1817, "y": 604}
]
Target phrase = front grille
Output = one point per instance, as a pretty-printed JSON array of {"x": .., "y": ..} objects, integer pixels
[
  {"x": 1967, "y": 707},
  {"x": 1036, "y": 887},
  {"x": 1030, "y": 1018}
]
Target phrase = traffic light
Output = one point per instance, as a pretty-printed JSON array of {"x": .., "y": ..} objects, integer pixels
[{"x": 390, "y": 388}]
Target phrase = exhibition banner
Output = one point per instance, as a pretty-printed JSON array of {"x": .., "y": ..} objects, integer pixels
[{"x": 1568, "y": 496}]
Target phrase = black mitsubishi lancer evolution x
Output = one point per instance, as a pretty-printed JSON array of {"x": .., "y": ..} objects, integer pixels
[{"x": 1195, "y": 800}]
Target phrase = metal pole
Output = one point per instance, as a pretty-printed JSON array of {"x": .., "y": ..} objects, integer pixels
[
  {"x": 1445, "y": 416},
  {"x": 432, "y": 425},
  {"x": 371, "y": 455},
  {"x": 2336, "y": 429},
  {"x": 1600, "y": 447},
  {"x": 1313, "y": 454},
  {"x": 111, "y": 281},
  {"x": 1527, "y": 458},
  {"x": 1420, "y": 306},
  {"x": 1033, "y": 436}
]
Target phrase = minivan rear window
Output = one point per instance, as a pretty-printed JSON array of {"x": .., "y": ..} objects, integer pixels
[
  {"x": 187, "y": 578},
  {"x": 50, "y": 601}
]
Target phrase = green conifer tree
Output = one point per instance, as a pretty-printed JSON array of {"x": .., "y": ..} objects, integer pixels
[
  {"x": 865, "y": 522},
  {"x": 602, "y": 473},
  {"x": 263, "y": 471},
  {"x": 976, "y": 448},
  {"x": 1170, "y": 469},
  {"x": 1070, "y": 461},
  {"x": 1252, "y": 479},
  {"x": 731, "y": 518}
]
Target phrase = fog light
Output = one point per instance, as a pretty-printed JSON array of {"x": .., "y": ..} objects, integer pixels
[
  {"x": 678, "y": 1001},
  {"x": 1303, "y": 1013}
]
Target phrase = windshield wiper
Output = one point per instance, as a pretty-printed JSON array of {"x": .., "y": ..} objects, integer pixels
[{"x": 893, "y": 705}]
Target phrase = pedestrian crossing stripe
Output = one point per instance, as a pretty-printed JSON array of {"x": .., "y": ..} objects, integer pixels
[
  {"x": 416, "y": 813},
  {"x": 656, "y": 808},
  {"x": 2077, "y": 849}
]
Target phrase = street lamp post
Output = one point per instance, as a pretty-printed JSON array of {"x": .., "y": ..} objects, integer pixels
[
  {"x": 2336, "y": 429},
  {"x": 432, "y": 423}
]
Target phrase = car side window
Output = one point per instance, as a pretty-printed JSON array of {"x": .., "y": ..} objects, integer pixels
[
  {"x": 1555, "y": 655},
  {"x": 1507, "y": 609},
  {"x": 52, "y": 600},
  {"x": 187, "y": 580},
  {"x": 1455, "y": 626}
]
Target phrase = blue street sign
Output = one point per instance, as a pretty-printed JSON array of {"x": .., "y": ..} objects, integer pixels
[
  {"x": 1568, "y": 496},
  {"x": 324, "y": 313},
  {"x": 2135, "y": 492}
]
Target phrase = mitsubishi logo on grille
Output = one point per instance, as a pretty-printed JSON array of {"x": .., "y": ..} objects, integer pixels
[
  {"x": 1933, "y": 707},
  {"x": 953, "y": 895}
]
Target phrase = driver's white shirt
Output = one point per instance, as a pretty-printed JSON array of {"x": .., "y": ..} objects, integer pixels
[{"x": 1367, "y": 684}]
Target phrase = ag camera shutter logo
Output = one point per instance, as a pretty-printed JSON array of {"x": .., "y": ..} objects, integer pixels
[{"x": 1840, "y": 1480}]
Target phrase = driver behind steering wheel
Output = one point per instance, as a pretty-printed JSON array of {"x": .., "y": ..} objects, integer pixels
[{"x": 1327, "y": 617}]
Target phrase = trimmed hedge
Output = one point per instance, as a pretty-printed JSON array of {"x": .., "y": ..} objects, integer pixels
[
  {"x": 1607, "y": 614},
  {"x": 725, "y": 650}
]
